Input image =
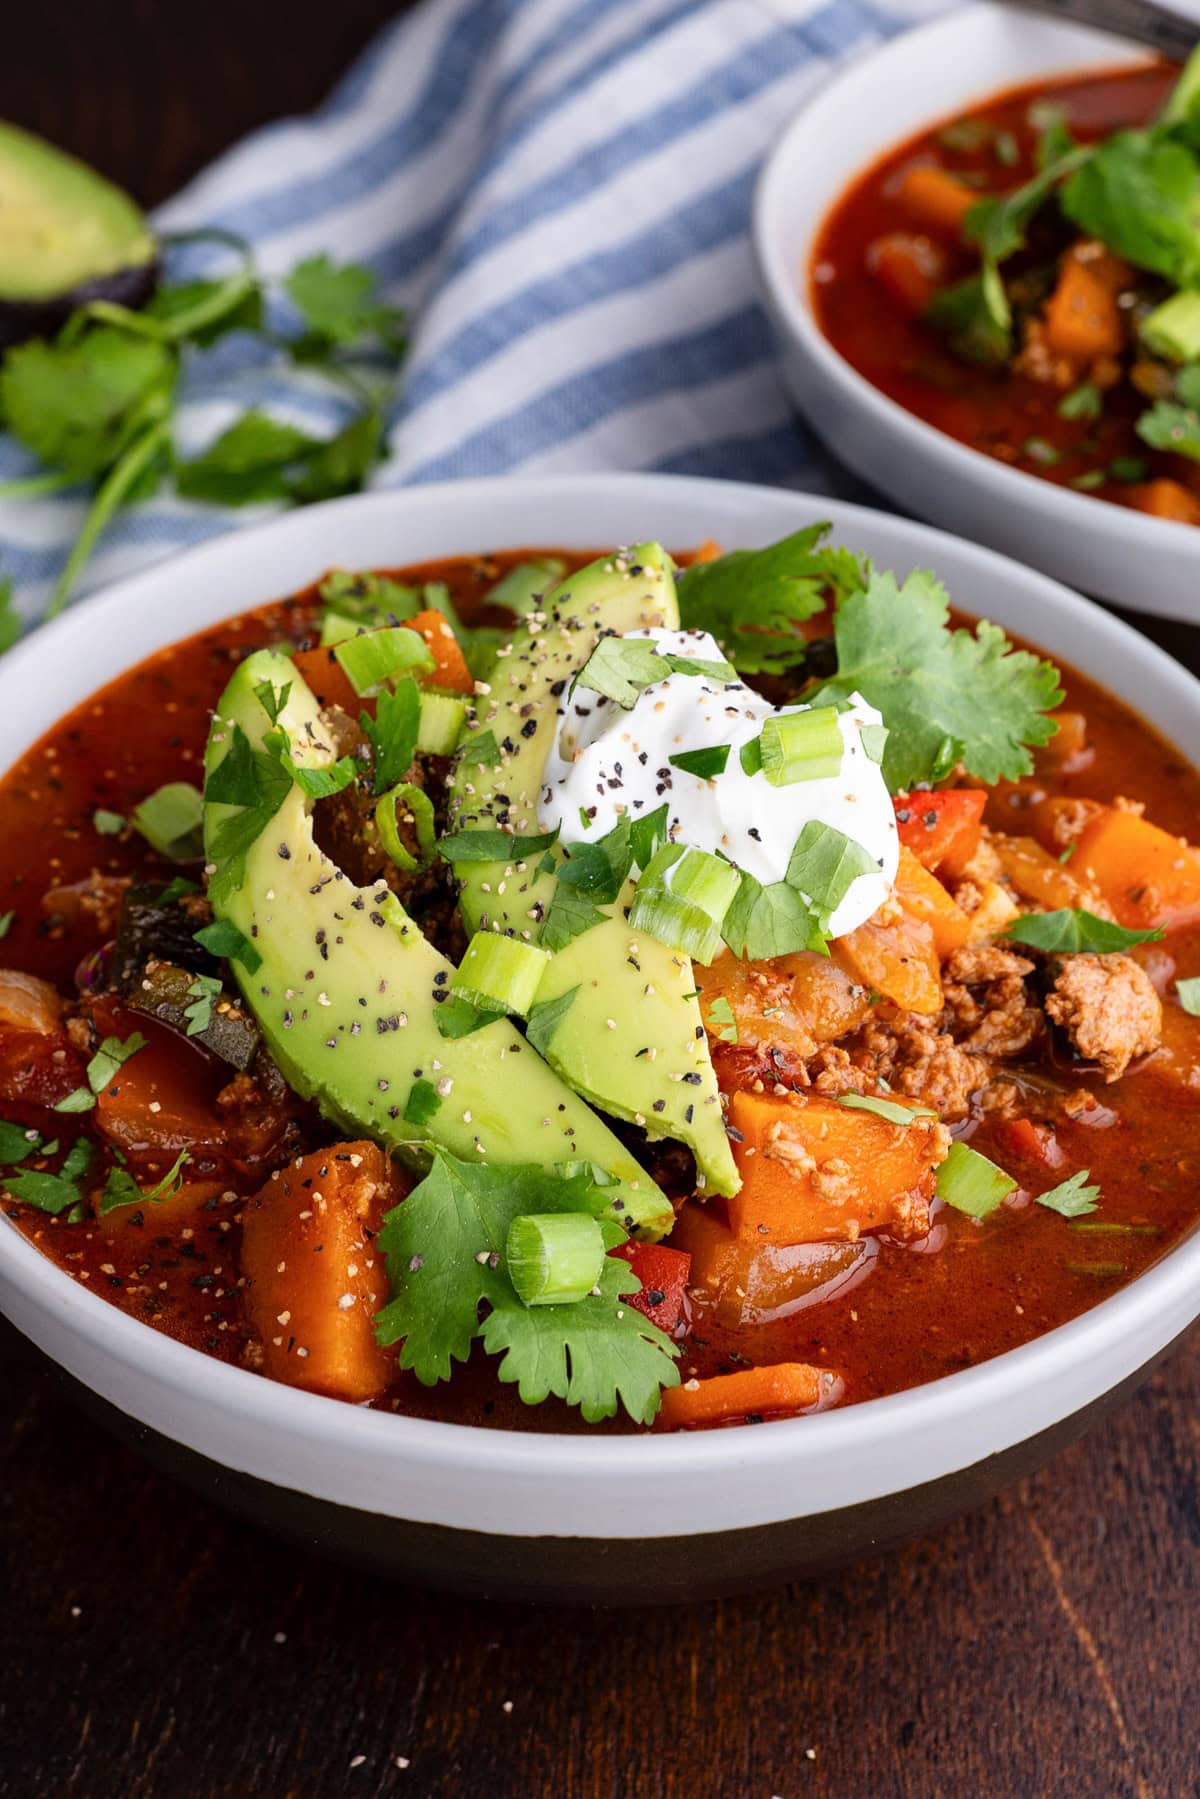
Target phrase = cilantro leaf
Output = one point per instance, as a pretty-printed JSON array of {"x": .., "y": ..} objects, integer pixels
[
  {"x": 945, "y": 695},
  {"x": 619, "y": 668},
  {"x": 424, "y": 1102},
  {"x": 53, "y": 1193},
  {"x": 545, "y": 1018},
  {"x": 599, "y": 870},
  {"x": 246, "y": 464},
  {"x": 721, "y": 1020},
  {"x": 1072, "y": 1198},
  {"x": 339, "y": 307},
  {"x": 598, "y": 1353},
  {"x": 887, "y": 1109},
  {"x": 341, "y": 464},
  {"x": 77, "y": 405},
  {"x": 1169, "y": 426},
  {"x": 769, "y": 921},
  {"x": 974, "y": 317},
  {"x": 1072, "y": 932},
  {"x": 102, "y": 1070},
  {"x": 705, "y": 764},
  {"x": 223, "y": 940},
  {"x": 823, "y": 867},
  {"x": 120, "y": 1188},
  {"x": 17, "y": 1141},
  {"x": 459, "y": 1017},
  {"x": 571, "y": 914},
  {"x": 753, "y": 601},
  {"x": 494, "y": 846},
  {"x": 480, "y": 749},
  {"x": 1137, "y": 192},
  {"x": 445, "y": 1245},
  {"x": 647, "y": 833},
  {"x": 203, "y": 991},
  {"x": 392, "y": 733}
]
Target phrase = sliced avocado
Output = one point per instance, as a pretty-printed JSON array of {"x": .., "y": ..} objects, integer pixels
[
  {"x": 348, "y": 987},
  {"x": 66, "y": 236},
  {"x": 632, "y": 1040}
]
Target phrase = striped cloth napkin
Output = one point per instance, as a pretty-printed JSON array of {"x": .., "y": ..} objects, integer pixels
[{"x": 559, "y": 192}]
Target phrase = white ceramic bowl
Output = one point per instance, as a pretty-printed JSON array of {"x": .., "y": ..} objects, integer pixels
[
  {"x": 945, "y": 68},
  {"x": 557, "y": 1515}
]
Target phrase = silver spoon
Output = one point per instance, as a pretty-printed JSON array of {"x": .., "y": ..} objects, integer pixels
[{"x": 1161, "y": 27}]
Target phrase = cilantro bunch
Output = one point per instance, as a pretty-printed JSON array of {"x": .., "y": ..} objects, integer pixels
[
  {"x": 445, "y": 1251},
  {"x": 98, "y": 404}
]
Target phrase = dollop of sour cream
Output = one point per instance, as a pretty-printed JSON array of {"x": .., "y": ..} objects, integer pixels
[{"x": 606, "y": 762}]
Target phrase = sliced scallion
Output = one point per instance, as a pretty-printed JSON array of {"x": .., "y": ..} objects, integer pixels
[
  {"x": 336, "y": 628},
  {"x": 170, "y": 821},
  {"x": 372, "y": 659},
  {"x": 801, "y": 746},
  {"x": 414, "y": 807},
  {"x": 682, "y": 898},
  {"x": 971, "y": 1184},
  {"x": 440, "y": 725},
  {"x": 554, "y": 1258},
  {"x": 500, "y": 974}
]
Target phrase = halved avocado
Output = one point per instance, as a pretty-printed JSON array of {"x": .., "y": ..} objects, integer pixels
[{"x": 66, "y": 236}]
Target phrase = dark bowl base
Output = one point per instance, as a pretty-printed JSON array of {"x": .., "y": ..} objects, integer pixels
[{"x": 605, "y": 1571}]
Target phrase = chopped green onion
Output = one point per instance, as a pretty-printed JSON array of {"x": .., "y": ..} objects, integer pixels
[
  {"x": 1039, "y": 450},
  {"x": 801, "y": 746},
  {"x": 440, "y": 724},
  {"x": 108, "y": 824},
  {"x": 502, "y": 974},
  {"x": 682, "y": 898},
  {"x": 170, "y": 821},
  {"x": 1083, "y": 402},
  {"x": 750, "y": 756},
  {"x": 525, "y": 583},
  {"x": 419, "y": 813},
  {"x": 1127, "y": 468},
  {"x": 554, "y": 1258},
  {"x": 1103, "y": 1227},
  {"x": 887, "y": 1109},
  {"x": 371, "y": 660},
  {"x": 1105, "y": 1270},
  {"x": 970, "y": 1183},
  {"x": 1088, "y": 482},
  {"x": 336, "y": 628},
  {"x": 1172, "y": 330}
]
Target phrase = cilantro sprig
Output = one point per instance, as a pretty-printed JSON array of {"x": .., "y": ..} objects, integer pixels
[
  {"x": 1073, "y": 932},
  {"x": 445, "y": 1251},
  {"x": 754, "y": 601},
  {"x": 97, "y": 405},
  {"x": 946, "y": 695}
]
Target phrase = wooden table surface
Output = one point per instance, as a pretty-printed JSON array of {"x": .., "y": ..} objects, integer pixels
[{"x": 151, "y": 1648}]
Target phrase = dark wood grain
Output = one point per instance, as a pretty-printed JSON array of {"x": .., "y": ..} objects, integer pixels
[{"x": 151, "y": 1648}]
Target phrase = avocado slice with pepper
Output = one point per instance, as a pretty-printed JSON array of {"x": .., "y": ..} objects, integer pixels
[
  {"x": 347, "y": 989},
  {"x": 67, "y": 236},
  {"x": 632, "y": 1039}
]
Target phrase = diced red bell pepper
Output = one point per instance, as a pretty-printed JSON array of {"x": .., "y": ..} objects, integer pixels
[
  {"x": 37, "y": 1069},
  {"x": 941, "y": 829},
  {"x": 664, "y": 1274},
  {"x": 1032, "y": 1143}
]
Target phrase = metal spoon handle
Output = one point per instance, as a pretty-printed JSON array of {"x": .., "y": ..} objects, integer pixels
[{"x": 1168, "y": 32}]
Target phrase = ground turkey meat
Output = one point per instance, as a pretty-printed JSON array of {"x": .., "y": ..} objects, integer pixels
[
  {"x": 989, "y": 1010},
  {"x": 1108, "y": 1008}
]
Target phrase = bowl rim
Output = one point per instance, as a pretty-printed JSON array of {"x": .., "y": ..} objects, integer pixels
[
  {"x": 535, "y": 1456},
  {"x": 947, "y": 39}
]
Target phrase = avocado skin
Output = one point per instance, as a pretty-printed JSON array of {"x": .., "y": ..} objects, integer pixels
[
  {"x": 24, "y": 319},
  {"x": 632, "y": 1041},
  {"x": 346, "y": 993}
]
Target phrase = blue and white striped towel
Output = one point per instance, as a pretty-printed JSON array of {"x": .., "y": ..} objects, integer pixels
[{"x": 559, "y": 192}]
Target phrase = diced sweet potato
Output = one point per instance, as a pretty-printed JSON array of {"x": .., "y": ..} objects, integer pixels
[
  {"x": 925, "y": 899},
  {"x": 324, "y": 674},
  {"x": 1164, "y": 498},
  {"x": 1147, "y": 876},
  {"x": 910, "y": 267},
  {"x": 793, "y": 1003},
  {"x": 314, "y": 1279},
  {"x": 935, "y": 199},
  {"x": 1082, "y": 319},
  {"x": 1037, "y": 875},
  {"x": 451, "y": 671},
  {"x": 787, "y": 1387},
  {"x": 815, "y": 1171},
  {"x": 744, "y": 1281},
  {"x": 897, "y": 959}
]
